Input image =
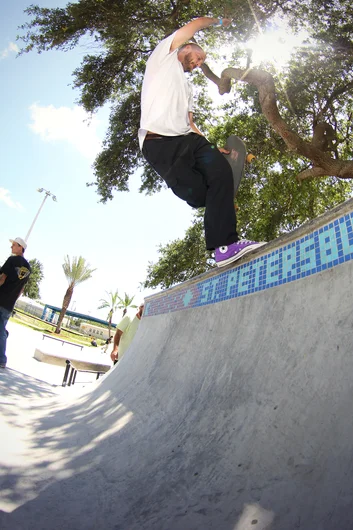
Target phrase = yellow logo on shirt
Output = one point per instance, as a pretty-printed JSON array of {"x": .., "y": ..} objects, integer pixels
[{"x": 22, "y": 272}]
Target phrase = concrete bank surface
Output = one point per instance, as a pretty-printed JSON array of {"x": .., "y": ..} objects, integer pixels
[{"x": 230, "y": 411}]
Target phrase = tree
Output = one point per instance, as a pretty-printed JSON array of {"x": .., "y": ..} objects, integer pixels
[
  {"x": 125, "y": 303},
  {"x": 76, "y": 272},
  {"x": 309, "y": 105},
  {"x": 297, "y": 119},
  {"x": 113, "y": 304},
  {"x": 32, "y": 286}
]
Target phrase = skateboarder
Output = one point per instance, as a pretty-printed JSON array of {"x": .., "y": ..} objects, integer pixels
[{"x": 193, "y": 168}]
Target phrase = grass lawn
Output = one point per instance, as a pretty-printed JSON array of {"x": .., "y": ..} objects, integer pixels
[{"x": 37, "y": 324}]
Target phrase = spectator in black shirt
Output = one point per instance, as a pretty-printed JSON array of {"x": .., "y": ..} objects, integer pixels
[{"x": 14, "y": 275}]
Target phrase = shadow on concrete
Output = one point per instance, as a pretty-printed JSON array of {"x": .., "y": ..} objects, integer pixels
[{"x": 15, "y": 384}]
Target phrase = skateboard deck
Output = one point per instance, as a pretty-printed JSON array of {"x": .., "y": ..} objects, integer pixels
[{"x": 236, "y": 158}]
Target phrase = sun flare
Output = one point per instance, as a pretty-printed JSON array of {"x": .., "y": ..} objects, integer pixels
[{"x": 275, "y": 46}]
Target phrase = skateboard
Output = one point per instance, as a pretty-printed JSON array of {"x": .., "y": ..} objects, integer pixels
[{"x": 237, "y": 158}]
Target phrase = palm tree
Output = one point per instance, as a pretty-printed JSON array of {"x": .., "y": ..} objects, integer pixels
[
  {"x": 76, "y": 271},
  {"x": 125, "y": 303},
  {"x": 113, "y": 304}
]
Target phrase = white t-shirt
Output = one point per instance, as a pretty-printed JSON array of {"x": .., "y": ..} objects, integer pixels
[{"x": 166, "y": 95}]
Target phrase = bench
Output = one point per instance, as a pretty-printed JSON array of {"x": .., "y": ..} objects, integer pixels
[
  {"x": 70, "y": 362},
  {"x": 90, "y": 368}
]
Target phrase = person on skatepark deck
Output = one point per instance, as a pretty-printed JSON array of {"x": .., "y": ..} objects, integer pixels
[{"x": 171, "y": 143}]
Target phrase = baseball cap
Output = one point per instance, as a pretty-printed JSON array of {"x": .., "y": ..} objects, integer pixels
[{"x": 19, "y": 241}]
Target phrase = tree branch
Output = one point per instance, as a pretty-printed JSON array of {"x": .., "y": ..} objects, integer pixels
[
  {"x": 337, "y": 92},
  {"x": 323, "y": 163},
  {"x": 311, "y": 173}
]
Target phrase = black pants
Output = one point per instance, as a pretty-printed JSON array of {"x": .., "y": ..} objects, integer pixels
[{"x": 200, "y": 175}]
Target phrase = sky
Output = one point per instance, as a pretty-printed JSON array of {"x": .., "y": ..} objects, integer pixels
[{"x": 48, "y": 142}]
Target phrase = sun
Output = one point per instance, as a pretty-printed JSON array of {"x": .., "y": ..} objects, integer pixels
[{"x": 275, "y": 46}]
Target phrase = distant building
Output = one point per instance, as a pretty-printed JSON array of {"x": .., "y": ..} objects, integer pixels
[{"x": 94, "y": 331}]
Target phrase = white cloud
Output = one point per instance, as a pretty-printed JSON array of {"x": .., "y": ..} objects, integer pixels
[
  {"x": 64, "y": 124},
  {"x": 12, "y": 47},
  {"x": 5, "y": 197}
]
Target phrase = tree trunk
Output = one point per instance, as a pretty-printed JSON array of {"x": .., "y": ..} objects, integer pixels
[
  {"x": 66, "y": 303},
  {"x": 323, "y": 163}
]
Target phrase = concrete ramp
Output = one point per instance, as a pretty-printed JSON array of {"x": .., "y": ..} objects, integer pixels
[{"x": 232, "y": 409}]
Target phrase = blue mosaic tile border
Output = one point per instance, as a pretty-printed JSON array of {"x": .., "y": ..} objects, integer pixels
[{"x": 323, "y": 249}]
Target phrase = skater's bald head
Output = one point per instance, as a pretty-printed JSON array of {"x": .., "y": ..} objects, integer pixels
[
  {"x": 191, "y": 45},
  {"x": 191, "y": 56}
]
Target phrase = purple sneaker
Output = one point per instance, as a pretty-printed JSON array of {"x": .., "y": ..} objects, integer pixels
[{"x": 225, "y": 255}]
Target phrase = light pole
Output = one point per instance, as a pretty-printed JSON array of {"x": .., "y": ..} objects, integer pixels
[{"x": 47, "y": 194}]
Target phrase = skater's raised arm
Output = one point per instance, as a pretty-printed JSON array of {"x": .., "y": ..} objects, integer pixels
[{"x": 186, "y": 33}]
